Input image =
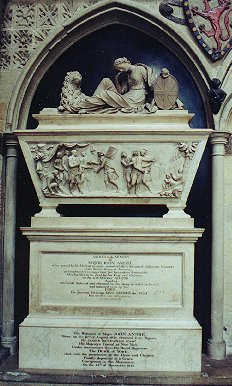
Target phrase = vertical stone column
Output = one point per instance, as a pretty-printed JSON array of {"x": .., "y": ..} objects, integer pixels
[
  {"x": 8, "y": 329},
  {"x": 216, "y": 345}
]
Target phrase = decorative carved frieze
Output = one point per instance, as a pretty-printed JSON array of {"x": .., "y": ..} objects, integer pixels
[
  {"x": 39, "y": 36},
  {"x": 113, "y": 158},
  {"x": 77, "y": 169}
]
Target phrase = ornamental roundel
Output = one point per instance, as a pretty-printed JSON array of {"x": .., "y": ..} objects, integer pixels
[{"x": 211, "y": 23}]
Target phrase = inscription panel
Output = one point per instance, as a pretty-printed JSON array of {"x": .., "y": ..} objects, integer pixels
[
  {"x": 111, "y": 280},
  {"x": 94, "y": 349},
  {"x": 113, "y": 349}
]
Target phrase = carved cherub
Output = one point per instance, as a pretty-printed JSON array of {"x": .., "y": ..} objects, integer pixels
[{"x": 52, "y": 181}]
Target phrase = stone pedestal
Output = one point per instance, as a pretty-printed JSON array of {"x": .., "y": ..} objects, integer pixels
[{"x": 111, "y": 294}]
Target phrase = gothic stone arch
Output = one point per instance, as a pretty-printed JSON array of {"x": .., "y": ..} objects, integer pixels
[{"x": 96, "y": 17}]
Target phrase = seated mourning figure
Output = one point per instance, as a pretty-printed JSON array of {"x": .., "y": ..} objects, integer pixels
[{"x": 133, "y": 91}]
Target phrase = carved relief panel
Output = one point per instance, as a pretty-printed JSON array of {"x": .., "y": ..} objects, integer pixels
[
  {"x": 86, "y": 169},
  {"x": 113, "y": 158}
]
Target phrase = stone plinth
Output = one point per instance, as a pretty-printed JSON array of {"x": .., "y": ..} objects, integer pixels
[
  {"x": 120, "y": 347},
  {"x": 111, "y": 294}
]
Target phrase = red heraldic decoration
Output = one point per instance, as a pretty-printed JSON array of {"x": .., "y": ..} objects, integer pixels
[{"x": 211, "y": 25}]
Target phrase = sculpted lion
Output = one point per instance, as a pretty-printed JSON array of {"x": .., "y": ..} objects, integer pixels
[{"x": 71, "y": 94}]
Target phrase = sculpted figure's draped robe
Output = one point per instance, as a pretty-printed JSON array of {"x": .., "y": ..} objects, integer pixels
[{"x": 108, "y": 99}]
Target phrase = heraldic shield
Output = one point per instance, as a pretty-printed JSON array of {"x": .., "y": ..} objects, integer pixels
[
  {"x": 210, "y": 21},
  {"x": 166, "y": 92}
]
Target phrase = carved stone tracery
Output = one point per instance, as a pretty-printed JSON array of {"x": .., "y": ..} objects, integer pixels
[
  {"x": 41, "y": 19},
  {"x": 28, "y": 24}
]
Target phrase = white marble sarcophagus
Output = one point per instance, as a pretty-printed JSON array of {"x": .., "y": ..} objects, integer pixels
[{"x": 119, "y": 159}]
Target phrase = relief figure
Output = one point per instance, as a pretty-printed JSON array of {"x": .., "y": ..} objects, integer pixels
[
  {"x": 105, "y": 163},
  {"x": 52, "y": 182},
  {"x": 83, "y": 166},
  {"x": 58, "y": 165},
  {"x": 175, "y": 175},
  {"x": 127, "y": 168},
  {"x": 137, "y": 170},
  {"x": 146, "y": 164},
  {"x": 65, "y": 166},
  {"x": 173, "y": 183},
  {"x": 74, "y": 171}
]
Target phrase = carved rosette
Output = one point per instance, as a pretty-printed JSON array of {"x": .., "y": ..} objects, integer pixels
[{"x": 106, "y": 170}]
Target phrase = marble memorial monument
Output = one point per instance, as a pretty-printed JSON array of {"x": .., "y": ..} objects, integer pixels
[{"x": 113, "y": 294}]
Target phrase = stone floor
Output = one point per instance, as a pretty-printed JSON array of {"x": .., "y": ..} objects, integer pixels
[{"x": 213, "y": 373}]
